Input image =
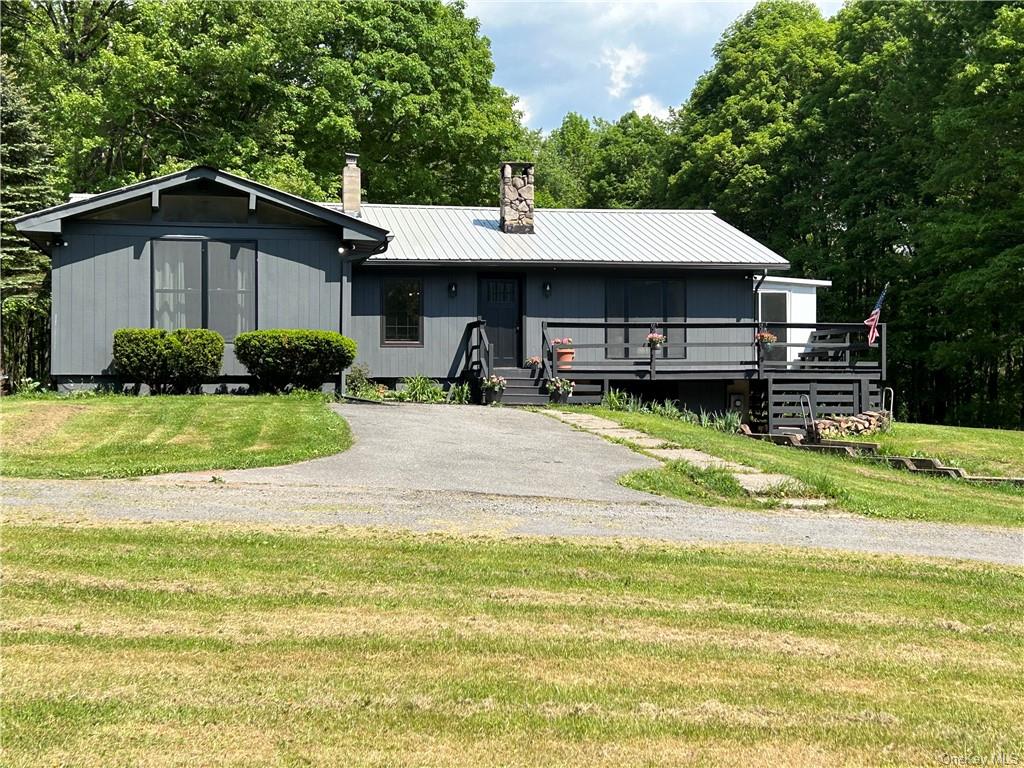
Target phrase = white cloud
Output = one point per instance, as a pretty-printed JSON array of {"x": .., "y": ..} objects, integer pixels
[
  {"x": 646, "y": 104},
  {"x": 624, "y": 66},
  {"x": 524, "y": 105}
]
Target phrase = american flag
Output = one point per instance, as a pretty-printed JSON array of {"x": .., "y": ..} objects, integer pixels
[{"x": 874, "y": 317}]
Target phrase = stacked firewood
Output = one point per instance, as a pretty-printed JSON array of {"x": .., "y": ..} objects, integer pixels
[{"x": 864, "y": 423}]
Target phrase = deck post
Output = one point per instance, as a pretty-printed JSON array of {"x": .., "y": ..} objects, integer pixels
[
  {"x": 651, "y": 349},
  {"x": 882, "y": 341}
]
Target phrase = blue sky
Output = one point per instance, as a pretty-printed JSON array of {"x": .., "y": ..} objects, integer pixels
[{"x": 602, "y": 58}]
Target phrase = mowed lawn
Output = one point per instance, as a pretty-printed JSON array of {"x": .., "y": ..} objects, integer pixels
[
  {"x": 856, "y": 486},
  {"x": 119, "y": 436},
  {"x": 165, "y": 645}
]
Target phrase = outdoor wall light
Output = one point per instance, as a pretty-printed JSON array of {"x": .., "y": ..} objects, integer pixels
[
  {"x": 453, "y": 290},
  {"x": 547, "y": 288}
]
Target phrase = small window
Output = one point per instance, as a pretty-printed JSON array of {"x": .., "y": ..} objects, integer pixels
[
  {"x": 402, "y": 315},
  {"x": 217, "y": 209},
  {"x": 134, "y": 210},
  {"x": 276, "y": 216}
]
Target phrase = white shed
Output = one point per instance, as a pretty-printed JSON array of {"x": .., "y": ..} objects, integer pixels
[{"x": 789, "y": 300}]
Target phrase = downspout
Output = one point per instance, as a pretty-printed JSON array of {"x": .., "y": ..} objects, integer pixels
[
  {"x": 348, "y": 260},
  {"x": 757, "y": 296}
]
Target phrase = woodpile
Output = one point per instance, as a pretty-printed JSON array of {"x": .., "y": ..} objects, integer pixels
[{"x": 862, "y": 424}]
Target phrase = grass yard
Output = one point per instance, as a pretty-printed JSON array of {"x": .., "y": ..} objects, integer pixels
[
  {"x": 164, "y": 645},
  {"x": 998, "y": 452},
  {"x": 119, "y": 436},
  {"x": 856, "y": 486}
]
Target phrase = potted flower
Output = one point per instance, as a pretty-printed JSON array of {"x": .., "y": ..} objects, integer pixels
[
  {"x": 564, "y": 355},
  {"x": 492, "y": 387},
  {"x": 765, "y": 339},
  {"x": 560, "y": 389},
  {"x": 655, "y": 340},
  {"x": 532, "y": 362}
]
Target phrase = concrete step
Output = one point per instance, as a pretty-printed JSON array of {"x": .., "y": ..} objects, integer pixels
[{"x": 511, "y": 399}]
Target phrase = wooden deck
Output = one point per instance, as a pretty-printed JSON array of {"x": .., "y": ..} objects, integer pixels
[{"x": 695, "y": 350}]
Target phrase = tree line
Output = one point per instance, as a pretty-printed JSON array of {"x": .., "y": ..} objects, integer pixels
[{"x": 883, "y": 145}]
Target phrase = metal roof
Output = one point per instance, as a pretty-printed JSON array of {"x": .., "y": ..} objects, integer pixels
[{"x": 463, "y": 235}]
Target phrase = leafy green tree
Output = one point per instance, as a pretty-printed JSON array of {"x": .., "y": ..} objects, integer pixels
[
  {"x": 971, "y": 263},
  {"x": 876, "y": 153},
  {"x": 732, "y": 141},
  {"x": 565, "y": 163},
  {"x": 628, "y": 157},
  {"x": 278, "y": 91},
  {"x": 24, "y": 271}
]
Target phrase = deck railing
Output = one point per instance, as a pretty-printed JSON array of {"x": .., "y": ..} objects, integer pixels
[
  {"x": 479, "y": 354},
  {"x": 692, "y": 348}
]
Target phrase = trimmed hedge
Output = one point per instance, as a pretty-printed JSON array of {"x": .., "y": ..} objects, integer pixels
[
  {"x": 159, "y": 359},
  {"x": 194, "y": 355},
  {"x": 304, "y": 359},
  {"x": 140, "y": 355}
]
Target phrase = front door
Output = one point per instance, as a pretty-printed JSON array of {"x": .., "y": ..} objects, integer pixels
[{"x": 499, "y": 307}]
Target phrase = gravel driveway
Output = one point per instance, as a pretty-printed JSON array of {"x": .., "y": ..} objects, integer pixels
[
  {"x": 495, "y": 471},
  {"x": 461, "y": 448}
]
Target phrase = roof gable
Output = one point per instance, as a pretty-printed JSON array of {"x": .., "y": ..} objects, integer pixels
[{"x": 362, "y": 234}]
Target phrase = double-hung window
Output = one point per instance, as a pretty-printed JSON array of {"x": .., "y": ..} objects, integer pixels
[
  {"x": 402, "y": 312},
  {"x": 204, "y": 284}
]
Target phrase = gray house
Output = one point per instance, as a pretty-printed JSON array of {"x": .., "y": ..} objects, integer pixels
[{"x": 446, "y": 291}]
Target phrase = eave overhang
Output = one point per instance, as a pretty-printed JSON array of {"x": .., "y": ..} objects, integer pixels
[{"x": 45, "y": 226}]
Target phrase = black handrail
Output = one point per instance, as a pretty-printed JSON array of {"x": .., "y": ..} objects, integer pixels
[
  {"x": 479, "y": 354},
  {"x": 547, "y": 361}
]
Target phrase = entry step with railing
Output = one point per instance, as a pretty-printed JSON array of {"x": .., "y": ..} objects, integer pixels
[{"x": 526, "y": 386}]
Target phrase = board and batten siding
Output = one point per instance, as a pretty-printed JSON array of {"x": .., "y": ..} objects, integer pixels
[
  {"x": 577, "y": 295},
  {"x": 102, "y": 281},
  {"x": 711, "y": 298},
  {"x": 445, "y": 319}
]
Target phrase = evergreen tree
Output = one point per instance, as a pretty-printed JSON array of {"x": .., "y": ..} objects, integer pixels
[{"x": 24, "y": 271}]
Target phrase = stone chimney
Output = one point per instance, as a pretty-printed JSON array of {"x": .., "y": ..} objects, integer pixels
[
  {"x": 351, "y": 184},
  {"x": 516, "y": 198}
]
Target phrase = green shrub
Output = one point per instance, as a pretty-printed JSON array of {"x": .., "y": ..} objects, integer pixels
[
  {"x": 194, "y": 355},
  {"x": 459, "y": 394},
  {"x": 358, "y": 378},
  {"x": 421, "y": 389},
  {"x": 140, "y": 356},
  {"x": 303, "y": 359},
  {"x": 159, "y": 359}
]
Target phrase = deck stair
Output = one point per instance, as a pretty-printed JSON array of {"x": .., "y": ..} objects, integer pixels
[
  {"x": 526, "y": 386},
  {"x": 523, "y": 386}
]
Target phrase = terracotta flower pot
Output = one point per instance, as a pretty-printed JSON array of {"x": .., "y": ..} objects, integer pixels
[{"x": 566, "y": 355}]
